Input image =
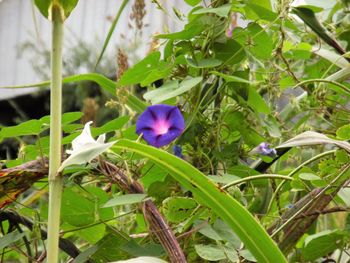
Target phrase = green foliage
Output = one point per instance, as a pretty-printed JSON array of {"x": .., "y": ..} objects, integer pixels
[
  {"x": 272, "y": 81},
  {"x": 125, "y": 200},
  {"x": 171, "y": 90},
  {"x": 65, "y": 6},
  {"x": 322, "y": 243},
  {"x": 207, "y": 193}
]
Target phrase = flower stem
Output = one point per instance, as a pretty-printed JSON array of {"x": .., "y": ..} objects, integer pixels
[{"x": 55, "y": 179}]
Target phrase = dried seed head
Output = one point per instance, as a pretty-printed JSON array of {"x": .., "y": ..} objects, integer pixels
[
  {"x": 154, "y": 45},
  {"x": 90, "y": 108},
  {"x": 122, "y": 61},
  {"x": 138, "y": 13}
]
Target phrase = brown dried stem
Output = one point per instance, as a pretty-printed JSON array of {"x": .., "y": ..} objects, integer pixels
[
  {"x": 316, "y": 201},
  {"x": 156, "y": 222}
]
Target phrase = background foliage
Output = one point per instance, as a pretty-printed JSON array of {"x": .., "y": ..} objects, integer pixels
[{"x": 243, "y": 73}]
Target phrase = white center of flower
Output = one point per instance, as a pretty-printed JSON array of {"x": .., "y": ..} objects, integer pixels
[{"x": 162, "y": 127}]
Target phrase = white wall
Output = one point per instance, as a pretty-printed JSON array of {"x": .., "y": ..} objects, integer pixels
[{"x": 88, "y": 22}]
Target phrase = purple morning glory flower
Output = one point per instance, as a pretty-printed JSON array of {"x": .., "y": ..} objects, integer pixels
[
  {"x": 160, "y": 124},
  {"x": 178, "y": 151},
  {"x": 264, "y": 149}
]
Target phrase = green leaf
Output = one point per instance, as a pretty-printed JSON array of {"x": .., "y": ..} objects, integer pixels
[
  {"x": 171, "y": 89},
  {"x": 110, "y": 126},
  {"x": 82, "y": 207},
  {"x": 10, "y": 238},
  {"x": 207, "y": 230},
  {"x": 223, "y": 179},
  {"x": 203, "y": 63},
  {"x": 76, "y": 209},
  {"x": 263, "y": 3},
  {"x": 257, "y": 102},
  {"x": 193, "y": 2},
  {"x": 125, "y": 200},
  {"x": 67, "y": 117},
  {"x": 85, "y": 255},
  {"x": 210, "y": 252},
  {"x": 323, "y": 243},
  {"x": 43, "y": 6},
  {"x": 259, "y": 42},
  {"x": 178, "y": 209},
  {"x": 92, "y": 234},
  {"x": 221, "y": 11},
  {"x": 231, "y": 211},
  {"x": 31, "y": 127},
  {"x": 343, "y": 132},
  {"x": 141, "y": 71},
  {"x": 230, "y": 52},
  {"x": 149, "y": 67},
  {"x": 65, "y": 6},
  {"x": 68, "y": 6},
  {"x": 255, "y": 11},
  {"x": 237, "y": 122},
  {"x": 226, "y": 233},
  {"x": 309, "y": 177},
  {"x": 109, "y": 247},
  {"x": 230, "y": 78},
  {"x": 309, "y": 18},
  {"x": 192, "y": 29},
  {"x": 111, "y": 30},
  {"x": 314, "y": 138}
]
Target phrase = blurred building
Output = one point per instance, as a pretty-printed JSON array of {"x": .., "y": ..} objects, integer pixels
[{"x": 22, "y": 26}]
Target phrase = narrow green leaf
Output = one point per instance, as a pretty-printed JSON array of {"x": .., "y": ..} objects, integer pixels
[
  {"x": 111, "y": 30},
  {"x": 314, "y": 138},
  {"x": 108, "y": 85},
  {"x": 10, "y": 238},
  {"x": 231, "y": 211},
  {"x": 125, "y": 200},
  {"x": 309, "y": 18}
]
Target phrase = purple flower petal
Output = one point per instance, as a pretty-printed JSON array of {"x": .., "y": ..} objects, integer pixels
[
  {"x": 178, "y": 151},
  {"x": 264, "y": 149},
  {"x": 160, "y": 124}
]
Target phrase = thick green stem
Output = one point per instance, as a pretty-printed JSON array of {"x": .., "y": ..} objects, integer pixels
[{"x": 55, "y": 179}]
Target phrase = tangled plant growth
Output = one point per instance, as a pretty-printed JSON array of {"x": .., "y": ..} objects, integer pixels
[{"x": 241, "y": 154}]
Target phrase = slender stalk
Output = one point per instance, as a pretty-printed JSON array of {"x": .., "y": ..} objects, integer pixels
[
  {"x": 300, "y": 211},
  {"x": 55, "y": 179},
  {"x": 256, "y": 177},
  {"x": 292, "y": 173}
]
